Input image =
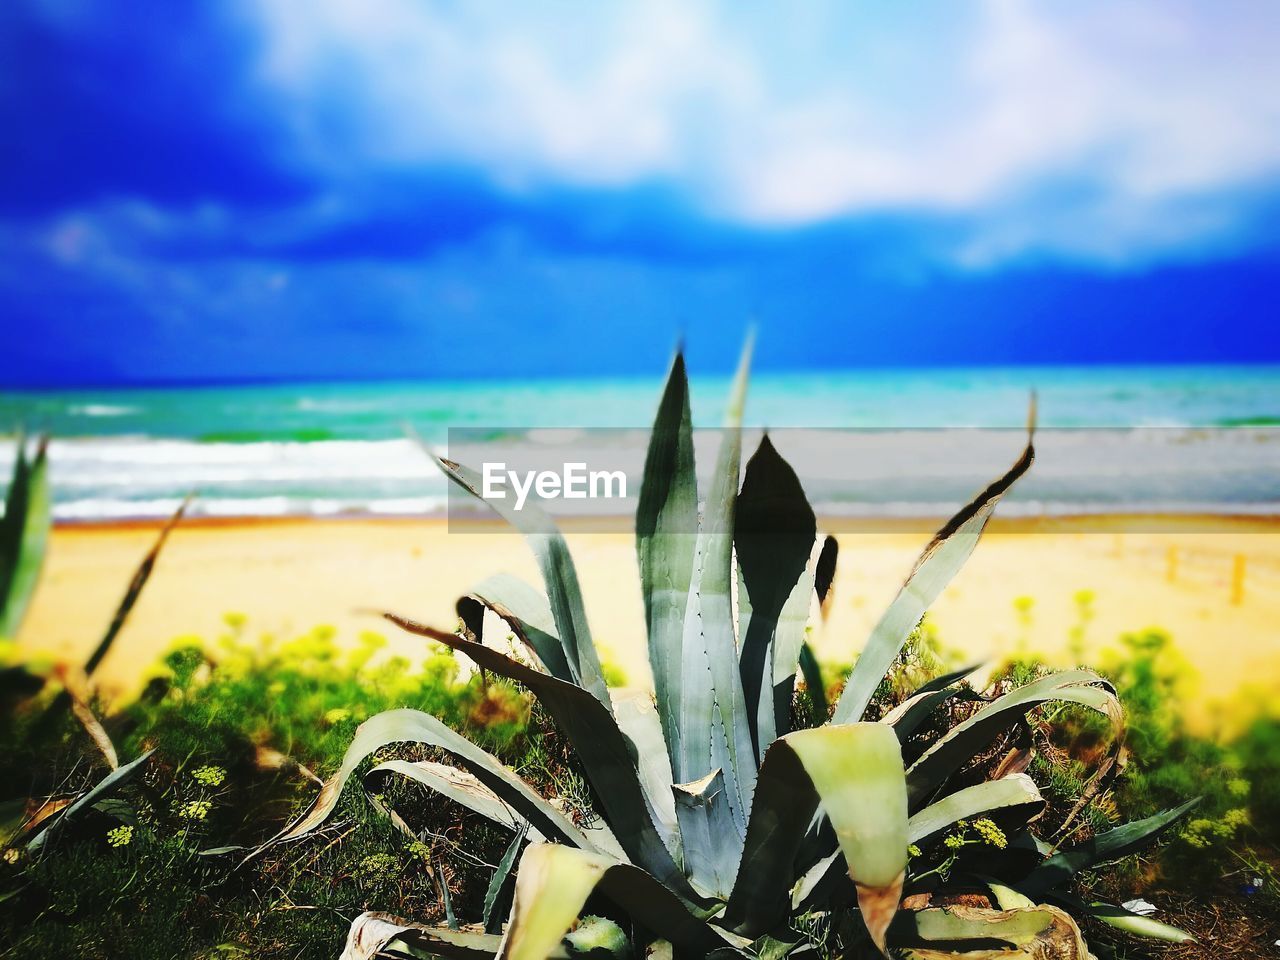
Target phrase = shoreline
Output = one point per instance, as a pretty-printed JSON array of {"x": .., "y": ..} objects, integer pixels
[{"x": 1121, "y": 521}]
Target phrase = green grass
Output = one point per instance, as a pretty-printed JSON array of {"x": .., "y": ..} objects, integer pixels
[
  {"x": 208, "y": 711},
  {"x": 1236, "y": 780},
  {"x": 130, "y": 878}
]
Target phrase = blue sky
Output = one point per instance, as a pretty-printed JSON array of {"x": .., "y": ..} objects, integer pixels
[{"x": 400, "y": 188}]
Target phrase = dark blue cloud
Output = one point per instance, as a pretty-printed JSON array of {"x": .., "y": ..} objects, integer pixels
[
  {"x": 144, "y": 100},
  {"x": 481, "y": 312},
  {"x": 405, "y": 216}
]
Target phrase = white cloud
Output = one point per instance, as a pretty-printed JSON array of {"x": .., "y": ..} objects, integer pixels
[
  {"x": 603, "y": 100},
  {"x": 777, "y": 116}
]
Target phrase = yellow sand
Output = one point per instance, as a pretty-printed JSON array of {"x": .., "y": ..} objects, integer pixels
[{"x": 289, "y": 576}]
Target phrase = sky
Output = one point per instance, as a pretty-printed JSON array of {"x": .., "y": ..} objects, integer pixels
[{"x": 301, "y": 189}]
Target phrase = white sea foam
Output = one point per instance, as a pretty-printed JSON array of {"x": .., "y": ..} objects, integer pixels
[
  {"x": 845, "y": 473},
  {"x": 100, "y": 410},
  {"x": 247, "y": 507}
]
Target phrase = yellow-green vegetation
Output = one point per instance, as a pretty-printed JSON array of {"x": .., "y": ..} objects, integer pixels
[
  {"x": 142, "y": 886},
  {"x": 304, "y": 695},
  {"x": 1236, "y": 779},
  {"x": 235, "y": 724}
]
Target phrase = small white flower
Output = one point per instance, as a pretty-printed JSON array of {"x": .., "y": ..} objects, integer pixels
[{"x": 1141, "y": 907}]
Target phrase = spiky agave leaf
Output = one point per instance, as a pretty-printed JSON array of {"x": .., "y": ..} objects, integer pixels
[
  {"x": 774, "y": 533},
  {"x": 967, "y": 738},
  {"x": 1137, "y": 924},
  {"x": 817, "y": 690},
  {"x": 526, "y": 610},
  {"x": 693, "y": 651},
  {"x": 666, "y": 535},
  {"x": 554, "y": 882},
  {"x": 634, "y": 712},
  {"x": 493, "y": 895},
  {"x": 559, "y": 576},
  {"x": 1013, "y": 802},
  {"x": 104, "y": 788},
  {"x": 856, "y": 772},
  {"x": 711, "y": 730},
  {"x": 608, "y": 758},
  {"x": 940, "y": 561},
  {"x": 460, "y": 786},
  {"x": 24, "y": 534},
  {"x": 598, "y": 937},
  {"x": 788, "y": 641},
  {"x": 712, "y": 844},
  {"x": 637, "y": 719},
  {"x": 1037, "y": 932},
  {"x": 907, "y": 716},
  {"x": 75, "y": 686},
  {"x": 824, "y": 572},
  {"x": 1103, "y": 848},
  {"x": 667, "y": 553},
  {"x": 404, "y": 725},
  {"x": 377, "y": 934},
  {"x": 718, "y": 706},
  {"x": 134, "y": 590},
  {"x": 75, "y": 692},
  {"x": 1008, "y": 898},
  {"x": 1132, "y": 923}
]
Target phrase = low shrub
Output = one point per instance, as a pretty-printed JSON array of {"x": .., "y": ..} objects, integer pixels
[{"x": 236, "y": 725}]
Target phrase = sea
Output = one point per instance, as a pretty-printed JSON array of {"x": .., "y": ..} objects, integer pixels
[{"x": 905, "y": 442}]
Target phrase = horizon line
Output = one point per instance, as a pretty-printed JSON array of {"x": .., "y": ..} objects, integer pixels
[{"x": 196, "y": 383}]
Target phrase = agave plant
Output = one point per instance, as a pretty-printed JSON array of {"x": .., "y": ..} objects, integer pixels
[{"x": 720, "y": 830}]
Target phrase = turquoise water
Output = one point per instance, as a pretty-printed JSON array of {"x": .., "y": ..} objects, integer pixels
[
  {"x": 994, "y": 397},
  {"x": 335, "y": 448}
]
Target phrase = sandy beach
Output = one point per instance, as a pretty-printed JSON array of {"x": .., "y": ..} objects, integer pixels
[{"x": 290, "y": 575}]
